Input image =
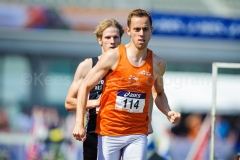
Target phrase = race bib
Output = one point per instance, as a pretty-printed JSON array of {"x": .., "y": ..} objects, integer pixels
[{"x": 132, "y": 102}]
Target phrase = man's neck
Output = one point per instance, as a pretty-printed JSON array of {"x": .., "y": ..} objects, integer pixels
[
  {"x": 103, "y": 52},
  {"x": 135, "y": 51},
  {"x": 134, "y": 55}
]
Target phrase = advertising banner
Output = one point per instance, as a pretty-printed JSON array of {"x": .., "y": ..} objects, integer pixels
[{"x": 195, "y": 26}]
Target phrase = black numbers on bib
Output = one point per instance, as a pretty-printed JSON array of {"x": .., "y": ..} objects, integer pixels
[
  {"x": 136, "y": 104},
  {"x": 131, "y": 103},
  {"x": 125, "y": 103}
]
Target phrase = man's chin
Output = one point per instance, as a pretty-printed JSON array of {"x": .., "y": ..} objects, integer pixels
[{"x": 141, "y": 47}]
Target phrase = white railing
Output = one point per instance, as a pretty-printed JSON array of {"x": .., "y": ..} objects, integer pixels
[{"x": 215, "y": 66}]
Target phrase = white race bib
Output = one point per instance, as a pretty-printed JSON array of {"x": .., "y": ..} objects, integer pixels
[{"x": 132, "y": 102}]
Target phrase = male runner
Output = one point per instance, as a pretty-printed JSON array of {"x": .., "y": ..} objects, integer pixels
[{"x": 133, "y": 72}]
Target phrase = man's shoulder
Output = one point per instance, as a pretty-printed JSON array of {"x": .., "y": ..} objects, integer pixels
[
  {"x": 112, "y": 53},
  {"x": 158, "y": 60},
  {"x": 86, "y": 63},
  {"x": 159, "y": 65},
  {"x": 109, "y": 59},
  {"x": 113, "y": 50},
  {"x": 84, "y": 67}
]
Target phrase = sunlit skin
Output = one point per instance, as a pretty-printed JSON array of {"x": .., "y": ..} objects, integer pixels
[
  {"x": 110, "y": 39},
  {"x": 140, "y": 32}
]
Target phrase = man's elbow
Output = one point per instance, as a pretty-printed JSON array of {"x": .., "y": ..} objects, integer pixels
[{"x": 68, "y": 106}]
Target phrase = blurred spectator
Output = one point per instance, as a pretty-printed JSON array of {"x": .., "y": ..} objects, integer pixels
[
  {"x": 237, "y": 131},
  {"x": 39, "y": 129},
  {"x": 222, "y": 127},
  {"x": 24, "y": 121},
  {"x": 33, "y": 152},
  {"x": 193, "y": 123},
  {"x": 4, "y": 123}
]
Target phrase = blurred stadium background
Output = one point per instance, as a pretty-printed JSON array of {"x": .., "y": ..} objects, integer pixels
[{"x": 43, "y": 41}]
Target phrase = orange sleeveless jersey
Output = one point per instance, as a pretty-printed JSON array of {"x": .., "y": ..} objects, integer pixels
[{"x": 125, "y": 98}]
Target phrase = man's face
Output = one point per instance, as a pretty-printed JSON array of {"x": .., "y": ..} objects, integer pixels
[
  {"x": 140, "y": 31},
  {"x": 110, "y": 38}
]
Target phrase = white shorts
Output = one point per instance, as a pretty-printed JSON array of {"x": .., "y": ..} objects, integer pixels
[{"x": 131, "y": 147}]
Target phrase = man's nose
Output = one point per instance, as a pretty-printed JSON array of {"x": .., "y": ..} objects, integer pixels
[
  {"x": 141, "y": 32},
  {"x": 112, "y": 40}
]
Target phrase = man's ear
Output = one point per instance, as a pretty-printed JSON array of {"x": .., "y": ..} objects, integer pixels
[
  {"x": 127, "y": 30},
  {"x": 99, "y": 41},
  {"x": 152, "y": 28}
]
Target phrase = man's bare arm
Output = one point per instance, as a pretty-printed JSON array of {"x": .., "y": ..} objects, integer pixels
[
  {"x": 159, "y": 95},
  {"x": 107, "y": 62},
  {"x": 71, "y": 99},
  {"x": 150, "y": 108}
]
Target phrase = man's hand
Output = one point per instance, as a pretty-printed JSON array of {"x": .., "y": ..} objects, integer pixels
[
  {"x": 98, "y": 103},
  {"x": 174, "y": 117},
  {"x": 150, "y": 129},
  {"x": 79, "y": 132}
]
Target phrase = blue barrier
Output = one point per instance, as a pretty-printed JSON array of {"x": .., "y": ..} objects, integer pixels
[{"x": 195, "y": 26}]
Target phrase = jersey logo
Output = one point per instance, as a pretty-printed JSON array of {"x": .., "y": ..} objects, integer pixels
[
  {"x": 126, "y": 94},
  {"x": 133, "y": 81},
  {"x": 145, "y": 73}
]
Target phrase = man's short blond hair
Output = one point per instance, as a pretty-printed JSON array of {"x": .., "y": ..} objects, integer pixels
[{"x": 108, "y": 23}]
